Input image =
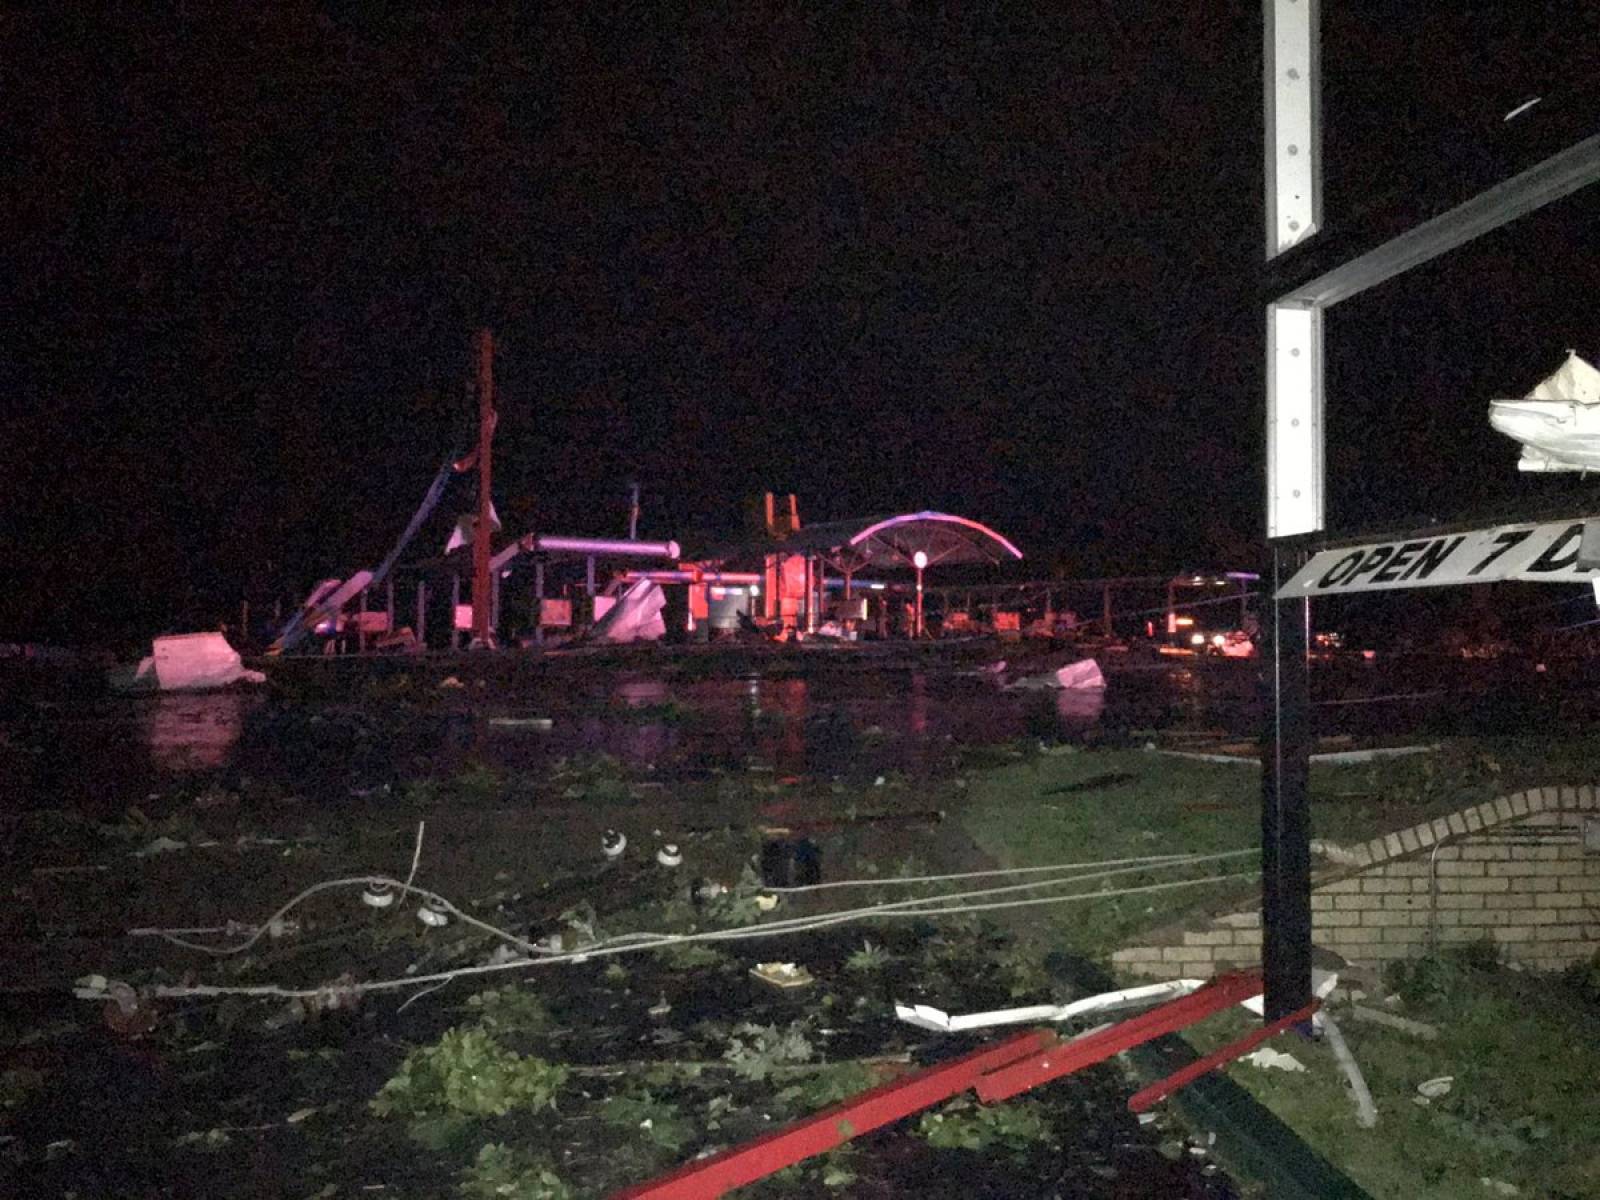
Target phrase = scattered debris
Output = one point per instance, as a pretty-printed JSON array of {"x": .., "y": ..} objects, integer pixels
[
  {"x": 1432, "y": 1089},
  {"x": 704, "y": 891},
  {"x": 189, "y": 662},
  {"x": 342, "y": 994},
  {"x": 1377, "y": 1016},
  {"x": 162, "y": 845},
  {"x": 926, "y": 1017},
  {"x": 1252, "y": 755},
  {"x": 450, "y": 682},
  {"x": 782, "y": 974},
  {"x": 1084, "y": 675},
  {"x": 791, "y": 863},
  {"x": 1322, "y": 985},
  {"x": 668, "y": 855},
  {"x": 125, "y": 1012},
  {"x": 1093, "y": 784},
  {"x": 924, "y": 816},
  {"x": 1334, "y": 853},
  {"x": 612, "y": 843},
  {"x": 1269, "y": 1059},
  {"x": 1346, "y": 757},
  {"x": 537, "y": 724},
  {"x": 1499, "y": 1186}
]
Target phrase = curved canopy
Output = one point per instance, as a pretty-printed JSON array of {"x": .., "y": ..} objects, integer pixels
[{"x": 888, "y": 542}]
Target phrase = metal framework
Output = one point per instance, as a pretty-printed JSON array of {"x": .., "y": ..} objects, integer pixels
[
  {"x": 1295, "y": 437},
  {"x": 996, "y": 1072}
]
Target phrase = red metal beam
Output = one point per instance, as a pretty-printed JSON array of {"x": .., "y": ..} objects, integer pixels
[
  {"x": 1085, "y": 1051},
  {"x": 1150, "y": 1096},
  {"x": 708, "y": 1178}
]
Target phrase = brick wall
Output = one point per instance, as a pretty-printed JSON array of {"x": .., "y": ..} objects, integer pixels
[{"x": 1514, "y": 870}]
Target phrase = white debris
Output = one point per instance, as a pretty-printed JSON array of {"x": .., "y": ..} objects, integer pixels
[
  {"x": 1322, "y": 983},
  {"x": 1335, "y": 853},
  {"x": 926, "y": 1017},
  {"x": 1268, "y": 1058},
  {"x": 162, "y": 845}
]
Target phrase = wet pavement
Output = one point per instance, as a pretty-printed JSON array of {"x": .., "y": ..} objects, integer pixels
[{"x": 104, "y": 753}]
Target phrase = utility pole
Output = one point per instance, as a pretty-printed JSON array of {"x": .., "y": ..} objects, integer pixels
[
  {"x": 482, "y": 633},
  {"x": 633, "y": 514}
]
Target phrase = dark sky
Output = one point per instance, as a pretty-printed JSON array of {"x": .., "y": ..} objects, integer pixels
[{"x": 1003, "y": 264}]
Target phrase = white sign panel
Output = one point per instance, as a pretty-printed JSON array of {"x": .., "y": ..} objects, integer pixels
[{"x": 1543, "y": 553}]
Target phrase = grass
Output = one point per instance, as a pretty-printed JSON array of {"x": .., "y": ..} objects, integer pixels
[
  {"x": 1100, "y": 804},
  {"x": 1524, "y": 1051},
  {"x": 1025, "y": 814},
  {"x": 1523, "y": 1048}
]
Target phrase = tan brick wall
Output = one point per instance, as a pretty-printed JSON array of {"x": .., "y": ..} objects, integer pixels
[{"x": 1469, "y": 876}]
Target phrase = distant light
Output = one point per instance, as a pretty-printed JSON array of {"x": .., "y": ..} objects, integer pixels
[
  {"x": 1197, "y": 639},
  {"x": 877, "y": 587},
  {"x": 1183, "y": 621},
  {"x": 1218, "y": 639},
  {"x": 755, "y": 589},
  {"x": 919, "y": 560}
]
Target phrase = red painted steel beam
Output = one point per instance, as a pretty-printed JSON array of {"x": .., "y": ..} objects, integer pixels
[
  {"x": 1158, "y": 1091},
  {"x": 1064, "y": 1059},
  {"x": 707, "y": 1178}
]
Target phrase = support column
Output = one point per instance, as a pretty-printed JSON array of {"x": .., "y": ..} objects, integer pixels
[
  {"x": 422, "y": 614},
  {"x": 1285, "y": 796},
  {"x": 482, "y": 601},
  {"x": 538, "y": 597},
  {"x": 455, "y": 604},
  {"x": 1105, "y": 610},
  {"x": 810, "y": 595}
]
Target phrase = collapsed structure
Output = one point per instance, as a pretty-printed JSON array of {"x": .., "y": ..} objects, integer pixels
[{"x": 784, "y": 581}]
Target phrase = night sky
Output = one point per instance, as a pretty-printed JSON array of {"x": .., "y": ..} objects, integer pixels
[{"x": 1004, "y": 264}]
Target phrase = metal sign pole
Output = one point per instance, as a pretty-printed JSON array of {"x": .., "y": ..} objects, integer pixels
[{"x": 1285, "y": 798}]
